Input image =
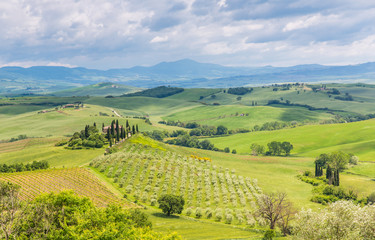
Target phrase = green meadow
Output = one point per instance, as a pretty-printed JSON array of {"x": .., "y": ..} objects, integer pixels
[
  {"x": 311, "y": 140},
  {"x": 60, "y": 122},
  {"x": 237, "y": 116},
  {"x": 40, "y": 149}
]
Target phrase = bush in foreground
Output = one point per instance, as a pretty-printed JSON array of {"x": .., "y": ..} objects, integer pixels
[
  {"x": 340, "y": 220},
  {"x": 67, "y": 216}
]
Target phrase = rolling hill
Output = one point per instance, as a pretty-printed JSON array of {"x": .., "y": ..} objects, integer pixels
[
  {"x": 182, "y": 73},
  {"x": 100, "y": 89}
]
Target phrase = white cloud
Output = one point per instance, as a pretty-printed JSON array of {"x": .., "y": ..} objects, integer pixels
[
  {"x": 159, "y": 39},
  {"x": 122, "y": 33},
  {"x": 28, "y": 64},
  {"x": 222, "y": 3},
  {"x": 308, "y": 21}
]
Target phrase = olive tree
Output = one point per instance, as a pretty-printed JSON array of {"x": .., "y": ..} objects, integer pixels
[
  {"x": 340, "y": 220},
  {"x": 171, "y": 204}
]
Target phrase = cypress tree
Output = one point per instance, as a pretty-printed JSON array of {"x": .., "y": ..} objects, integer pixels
[
  {"x": 122, "y": 132},
  {"x": 86, "y": 131},
  {"x": 117, "y": 135},
  {"x": 136, "y": 127},
  {"x": 336, "y": 178},
  {"x": 316, "y": 169},
  {"x": 113, "y": 128},
  {"x": 127, "y": 125},
  {"x": 94, "y": 124},
  {"x": 133, "y": 129},
  {"x": 110, "y": 142},
  {"x": 117, "y": 126},
  {"x": 108, "y": 135},
  {"x": 102, "y": 127},
  {"x": 329, "y": 175}
]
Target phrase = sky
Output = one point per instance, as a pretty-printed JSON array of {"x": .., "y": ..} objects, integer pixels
[{"x": 106, "y": 34}]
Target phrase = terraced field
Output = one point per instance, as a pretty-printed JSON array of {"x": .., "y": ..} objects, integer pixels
[{"x": 80, "y": 180}]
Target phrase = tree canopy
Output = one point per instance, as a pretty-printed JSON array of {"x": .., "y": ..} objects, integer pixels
[{"x": 171, "y": 204}]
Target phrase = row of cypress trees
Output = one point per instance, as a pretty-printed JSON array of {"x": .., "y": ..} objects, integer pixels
[{"x": 115, "y": 132}]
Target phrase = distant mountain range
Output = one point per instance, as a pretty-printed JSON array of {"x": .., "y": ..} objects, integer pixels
[{"x": 182, "y": 73}]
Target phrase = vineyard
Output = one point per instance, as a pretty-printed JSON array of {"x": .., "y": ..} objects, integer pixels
[
  {"x": 144, "y": 173},
  {"x": 80, "y": 180}
]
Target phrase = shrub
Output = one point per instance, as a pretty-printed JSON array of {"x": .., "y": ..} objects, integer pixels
[
  {"x": 353, "y": 160},
  {"x": 198, "y": 212},
  {"x": 228, "y": 218},
  {"x": 189, "y": 211},
  {"x": 371, "y": 198},
  {"x": 208, "y": 213},
  {"x": 269, "y": 234}
]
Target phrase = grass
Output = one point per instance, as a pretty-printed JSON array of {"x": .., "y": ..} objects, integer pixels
[
  {"x": 39, "y": 149},
  {"x": 194, "y": 94},
  {"x": 60, "y": 123},
  {"x": 192, "y": 229},
  {"x": 144, "y": 105},
  {"x": 100, "y": 89},
  {"x": 261, "y": 95},
  {"x": 80, "y": 180},
  {"x": 312, "y": 140},
  {"x": 236, "y": 116},
  {"x": 19, "y": 109}
]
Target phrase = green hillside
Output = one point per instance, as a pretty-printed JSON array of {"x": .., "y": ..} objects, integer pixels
[
  {"x": 300, "y": 95},
  {"x": 100, "y": 89},
  {"x": 357, "y": 137},
  {"x": 144, "y": 105},
  {"x": 237, "y": 116},
  {"x": 60, "y": 122}
]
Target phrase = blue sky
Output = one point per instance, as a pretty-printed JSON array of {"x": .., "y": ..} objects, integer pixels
[{"x": 107, "y": 34}]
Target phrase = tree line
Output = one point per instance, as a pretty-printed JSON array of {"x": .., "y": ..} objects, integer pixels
[
  {"x": 157, "y": 92},
  {"x": 274, "y": 149},
  {"x": 116, "y": 133},
  {"x": 334, "y": 163},
  {"x": 20, "y": 167}
]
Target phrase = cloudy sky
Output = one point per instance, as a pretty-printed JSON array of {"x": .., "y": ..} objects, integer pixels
[{"x": 114, "y": 34}]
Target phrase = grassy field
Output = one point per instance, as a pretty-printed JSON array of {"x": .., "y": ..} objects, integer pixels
[
  {"x": 80, "y": 180},
  {"x": 145, "y": 105},
  {"x": 39, "y": 149},
  {"x": 261, "y": 95},
  {"x": 236, "y": 116},
  {"x": 100, "y": 89},
  {"x": 310, "y": 141},
  {"x": 60, "y": 123},
  {"x": 193, "y": 229}
]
